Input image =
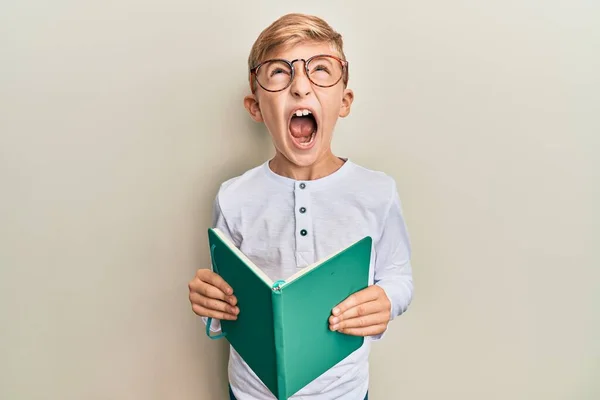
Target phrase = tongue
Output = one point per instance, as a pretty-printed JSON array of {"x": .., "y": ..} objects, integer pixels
[{"x": 302, "y": 126}]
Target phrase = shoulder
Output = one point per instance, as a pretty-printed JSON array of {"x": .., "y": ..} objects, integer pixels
[
  {"x": 375, "y": 177},
  {"x": 372, "y": 185},
  {"x": 240, "y": 189},
  {"x": 379, "y": 199}
]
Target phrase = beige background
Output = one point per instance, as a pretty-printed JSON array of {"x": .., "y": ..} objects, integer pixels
[{"x": 118, "y": 121}]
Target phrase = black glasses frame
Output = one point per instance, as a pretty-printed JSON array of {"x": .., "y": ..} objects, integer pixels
[{"x": 254, "y": 71}]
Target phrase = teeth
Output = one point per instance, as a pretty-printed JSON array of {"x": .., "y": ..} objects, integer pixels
[{"x": 300, "y": 113}]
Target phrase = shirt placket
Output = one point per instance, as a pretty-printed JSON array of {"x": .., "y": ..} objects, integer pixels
[{"x": 304, "y": 226}]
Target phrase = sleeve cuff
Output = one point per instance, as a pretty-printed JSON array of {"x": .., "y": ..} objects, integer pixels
[
  {"x": 376, "y": 338},
  {"x": 215, "y": 325},
  {"x": 390, "y": 297}
]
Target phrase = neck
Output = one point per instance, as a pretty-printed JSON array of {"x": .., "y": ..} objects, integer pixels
[{"x": 324, "y": 166}]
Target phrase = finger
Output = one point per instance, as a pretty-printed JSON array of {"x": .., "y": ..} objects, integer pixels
[
  {"x": 366, "y": 331},
  {"x": 361, "y": 322},
  {"x": 218, "y": 282},
  {"x": 205, "y": 312},
  {"x": 208, "y": 290},
  {"x": 362, "y": 296},
  {"x": 371, "y": 307},
  {"x": 216, "y": 293},
  {"x": 213, "y": 304}
]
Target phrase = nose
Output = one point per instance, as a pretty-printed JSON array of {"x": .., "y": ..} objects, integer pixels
[{"x": 301, "y": 86}]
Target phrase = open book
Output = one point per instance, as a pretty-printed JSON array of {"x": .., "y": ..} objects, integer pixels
[{"x": 282, "y": 330}]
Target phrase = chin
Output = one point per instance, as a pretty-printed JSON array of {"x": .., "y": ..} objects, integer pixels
[{"x": 304, "y": 161}]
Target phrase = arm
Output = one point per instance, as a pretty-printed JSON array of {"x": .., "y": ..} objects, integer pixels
[
  {"x": 368, "y": 312},
  {"x": 209, "y": 293},
  {"x": 393, "y": 269}
]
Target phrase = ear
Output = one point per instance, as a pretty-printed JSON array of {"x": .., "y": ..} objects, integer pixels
[
  {"x": 251, "y": 104},
  {"x": 347, "y": 100}
]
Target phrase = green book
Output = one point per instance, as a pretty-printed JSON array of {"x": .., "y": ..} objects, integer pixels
[{"x": 282, "y": 330}]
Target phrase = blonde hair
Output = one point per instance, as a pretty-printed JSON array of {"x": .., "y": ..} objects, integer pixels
[{"x": 290, "y": 30}]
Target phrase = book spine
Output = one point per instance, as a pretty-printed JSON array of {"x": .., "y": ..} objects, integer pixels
[{"x": 279, "y": 342}]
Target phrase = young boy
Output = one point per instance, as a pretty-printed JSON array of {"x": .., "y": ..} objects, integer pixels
[{"x": 306, "y": 203}]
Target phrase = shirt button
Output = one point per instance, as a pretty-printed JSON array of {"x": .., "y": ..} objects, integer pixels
[
  {"x": 303, "y": 232},
  {"x": 302, "y": 185},
  {"x": 302, "y": 210}
]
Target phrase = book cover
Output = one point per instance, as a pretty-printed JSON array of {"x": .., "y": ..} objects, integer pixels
[{"x": 282, "y": 331}]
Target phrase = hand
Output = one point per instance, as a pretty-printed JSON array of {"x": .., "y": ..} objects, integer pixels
[
  {"x": 212, "y": 297},
  {"x": 364, "y": 313}
]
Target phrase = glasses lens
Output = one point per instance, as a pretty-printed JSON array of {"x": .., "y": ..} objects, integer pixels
[
  {"x": 274, "y": 75},
  {"x": 324, "y": 71}
]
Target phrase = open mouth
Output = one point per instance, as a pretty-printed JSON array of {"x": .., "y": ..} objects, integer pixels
[{"x": 303, "y": 128}]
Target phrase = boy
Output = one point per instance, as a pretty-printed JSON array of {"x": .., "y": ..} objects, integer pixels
[{"x": 305, "y": 203}]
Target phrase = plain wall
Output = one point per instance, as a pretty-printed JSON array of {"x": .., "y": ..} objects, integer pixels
[{"x": 118, "y": 121}]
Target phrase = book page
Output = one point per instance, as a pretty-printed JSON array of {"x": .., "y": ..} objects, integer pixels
[
  {"x": 316, "y": 264},
  {"x": 246, "y": 260}
]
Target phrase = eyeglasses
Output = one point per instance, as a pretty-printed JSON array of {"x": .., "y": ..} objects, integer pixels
[{"x": 322, "y": 70}]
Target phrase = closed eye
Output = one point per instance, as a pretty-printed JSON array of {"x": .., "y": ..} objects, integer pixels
[
  {"x": 320, "y": 68},
  {"x": 278, "y": 71}
]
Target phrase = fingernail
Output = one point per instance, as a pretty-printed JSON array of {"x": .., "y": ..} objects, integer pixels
[
  {"x": 335, "y": 320},
  {"x": 334, "y": 327},
  {"x": 229, "y": 290},
  {"x": 336, "y": 311}
]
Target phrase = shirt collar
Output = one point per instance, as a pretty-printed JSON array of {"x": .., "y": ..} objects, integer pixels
[{"x": 315, "y": 183}]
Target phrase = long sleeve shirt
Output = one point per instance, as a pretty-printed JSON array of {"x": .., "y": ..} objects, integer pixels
[{"x": 283, "y": 225}]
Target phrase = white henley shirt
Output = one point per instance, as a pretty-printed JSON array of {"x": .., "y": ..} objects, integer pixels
[{"x": 283, "y": 225}]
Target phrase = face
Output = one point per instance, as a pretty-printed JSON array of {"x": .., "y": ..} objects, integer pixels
[{"x": 300, "y": 141}]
